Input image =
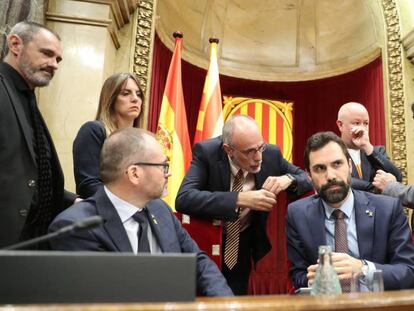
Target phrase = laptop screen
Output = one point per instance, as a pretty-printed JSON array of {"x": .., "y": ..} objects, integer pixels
[{"x": 87, "y": 277}]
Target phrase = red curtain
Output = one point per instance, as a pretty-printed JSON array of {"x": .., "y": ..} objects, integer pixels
[{"x": 316, "y": 104}]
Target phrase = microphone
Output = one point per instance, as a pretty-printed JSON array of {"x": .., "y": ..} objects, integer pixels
[{"x": 83, "y": 224}]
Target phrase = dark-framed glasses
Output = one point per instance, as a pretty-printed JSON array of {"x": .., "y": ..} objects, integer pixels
[
  {"x": 251, "y": 151},
  {"x": 165, "y": 165}
]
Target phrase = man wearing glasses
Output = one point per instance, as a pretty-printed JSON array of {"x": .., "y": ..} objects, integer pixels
[
  {"x": 236, "y": 178},
  {"x": 135, "y": 171}
]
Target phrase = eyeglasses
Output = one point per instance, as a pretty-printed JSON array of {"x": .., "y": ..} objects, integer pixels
[
  {"x": 251, "y": 151},
  {"x": 165, "y": 165}
]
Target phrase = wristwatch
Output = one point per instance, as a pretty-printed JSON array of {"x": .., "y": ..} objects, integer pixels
[
  {"x": 293, "y": 179},
  {"x": 364, "y": 268}
]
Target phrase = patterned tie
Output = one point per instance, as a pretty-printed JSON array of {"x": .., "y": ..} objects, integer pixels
[
  {"x": 43, "y": 212},
  {"x": 142, "y": 219},
  {"x": 233, "y": 228},
  {"x": 341, "y": 242}
]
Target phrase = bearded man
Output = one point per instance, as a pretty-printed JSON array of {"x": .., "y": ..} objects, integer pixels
[
  {"x": 31, "y": 179},
  {"x": 366, "y": 231}
]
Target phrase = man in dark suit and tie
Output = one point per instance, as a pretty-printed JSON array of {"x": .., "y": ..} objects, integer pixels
[
  {"x": 134, "y": 171},
  {"x": 211, "y": 189},
  {"x": 366, "y": 159},
  {"x": 31, "y": 179},
  {"x": 375, "y": 228}
]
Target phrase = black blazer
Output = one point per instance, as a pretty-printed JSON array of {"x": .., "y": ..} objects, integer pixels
[
  {"x": 18, "y": 173},
  {"x": 205, "y": 190},
  {"x": 378, "y": 160},
  {"x": 112, "y": 237}
]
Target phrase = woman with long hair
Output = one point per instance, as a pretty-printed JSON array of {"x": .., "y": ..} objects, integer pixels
[{"x": 120, "y": 105}]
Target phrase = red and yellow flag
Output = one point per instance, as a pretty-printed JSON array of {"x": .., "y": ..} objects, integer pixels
[
  {"x": 210, "y": 116},
  {"x": 172, "y": 131}
]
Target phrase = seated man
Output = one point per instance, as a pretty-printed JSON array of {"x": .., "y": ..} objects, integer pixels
[
  {"x": 366, "y": 159},
  {"x": 134, "y": 171},
  {"x": 374, "y": 234}
]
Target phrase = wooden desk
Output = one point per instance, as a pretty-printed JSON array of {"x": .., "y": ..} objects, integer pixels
[{"x": 390, "y": 301}]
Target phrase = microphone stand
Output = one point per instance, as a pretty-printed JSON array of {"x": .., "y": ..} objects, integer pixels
[{"x": 83, "y": 224}]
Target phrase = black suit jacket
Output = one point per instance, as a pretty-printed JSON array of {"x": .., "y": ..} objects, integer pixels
[
  {"x": 205, "y": 190},
  {"x": 112, "y": 237},
  {"x": 18, "y": 174},
  {"x": 378, "y": 160}
]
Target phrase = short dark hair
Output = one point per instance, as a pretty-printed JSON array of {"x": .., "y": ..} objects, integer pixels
[{"x": 320, "y": 140}]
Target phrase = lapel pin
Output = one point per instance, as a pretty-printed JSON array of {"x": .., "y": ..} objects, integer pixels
[
  {"x": 369, "y": 213},
  {"x": 154, "y": 220}
]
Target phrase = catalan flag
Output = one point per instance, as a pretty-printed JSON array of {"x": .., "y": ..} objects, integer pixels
[
  {"x": 172, "y": 131},
  {"x": 207, "y": 233},
  {"x": 210, "y": 116}
]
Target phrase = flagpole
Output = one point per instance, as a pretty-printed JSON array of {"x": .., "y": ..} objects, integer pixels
[{"x": 177, "y": 34}]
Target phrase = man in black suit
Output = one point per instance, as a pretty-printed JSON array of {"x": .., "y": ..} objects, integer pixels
[
  {"x": 207, "y": 191},
  {"x": 135, "y": 171},
  {"x": 353, "y": 123},
  {"x": 31, "y": 179}
]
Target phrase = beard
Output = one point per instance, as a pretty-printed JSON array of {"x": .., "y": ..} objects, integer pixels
[
  {"x": 37, "y": 75},
  {"x": 337, "y": 195}
]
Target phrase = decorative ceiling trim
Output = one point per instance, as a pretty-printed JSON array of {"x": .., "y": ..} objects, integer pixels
[
  {"x": 121, "y": 9},
  {"x": 408, "y": 44},
  {"x": 396, "y": 86},
  {"x": 78, "y": 20}
]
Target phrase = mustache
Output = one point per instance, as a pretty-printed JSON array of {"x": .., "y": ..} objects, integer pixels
[
  {"x": 49, "y": 69},
  {"x": 331, "y": 183}
]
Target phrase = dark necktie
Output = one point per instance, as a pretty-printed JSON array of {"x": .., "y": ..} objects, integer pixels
[
  {"x": 142, "y": 219},
  {"x": 231, "y": 251},
  {"x": 43, "y": 210},
  {"x": 341, "y": 242}
]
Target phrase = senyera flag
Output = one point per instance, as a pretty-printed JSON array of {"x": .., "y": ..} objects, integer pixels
[
  {"x": 172, "y": 131},
  {"x": 210, "y": 116}
]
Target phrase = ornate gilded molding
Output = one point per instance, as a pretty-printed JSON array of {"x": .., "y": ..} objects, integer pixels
[
  {"x": 395, "y": 85},
  {"x": 143, "y": 47}
]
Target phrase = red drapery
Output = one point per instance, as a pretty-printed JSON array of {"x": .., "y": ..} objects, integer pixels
[{"x": 315, "y": 108}]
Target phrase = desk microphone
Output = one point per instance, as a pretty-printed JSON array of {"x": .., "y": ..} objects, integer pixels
[{"x": 86, "y": 223}]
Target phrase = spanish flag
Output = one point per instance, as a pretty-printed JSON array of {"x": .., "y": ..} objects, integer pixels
[
  {"x": 172, "y": 131},
  {"x": 210, "y": 116}
]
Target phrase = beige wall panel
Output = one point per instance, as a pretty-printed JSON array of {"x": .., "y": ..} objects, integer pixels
[
  {"x": 72, "y": 97},
  {"x": 79, "y": 8}
]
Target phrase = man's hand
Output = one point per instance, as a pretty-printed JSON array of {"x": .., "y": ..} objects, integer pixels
[
  {"x": 360, "y": 138},
  {"x": 381, "y": 179},
  {"x": 311, "y": 274},
  {"x": 276, "y": 184},
  {"x": 259, "y": 200},
  {"x": 344, "y": 264}
]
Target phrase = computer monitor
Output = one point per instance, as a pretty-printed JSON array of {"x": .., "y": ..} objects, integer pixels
[{"x": 92, "y": 277}]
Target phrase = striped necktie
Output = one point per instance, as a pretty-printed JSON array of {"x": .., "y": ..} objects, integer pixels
[{"x": 231, "y": 251}]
